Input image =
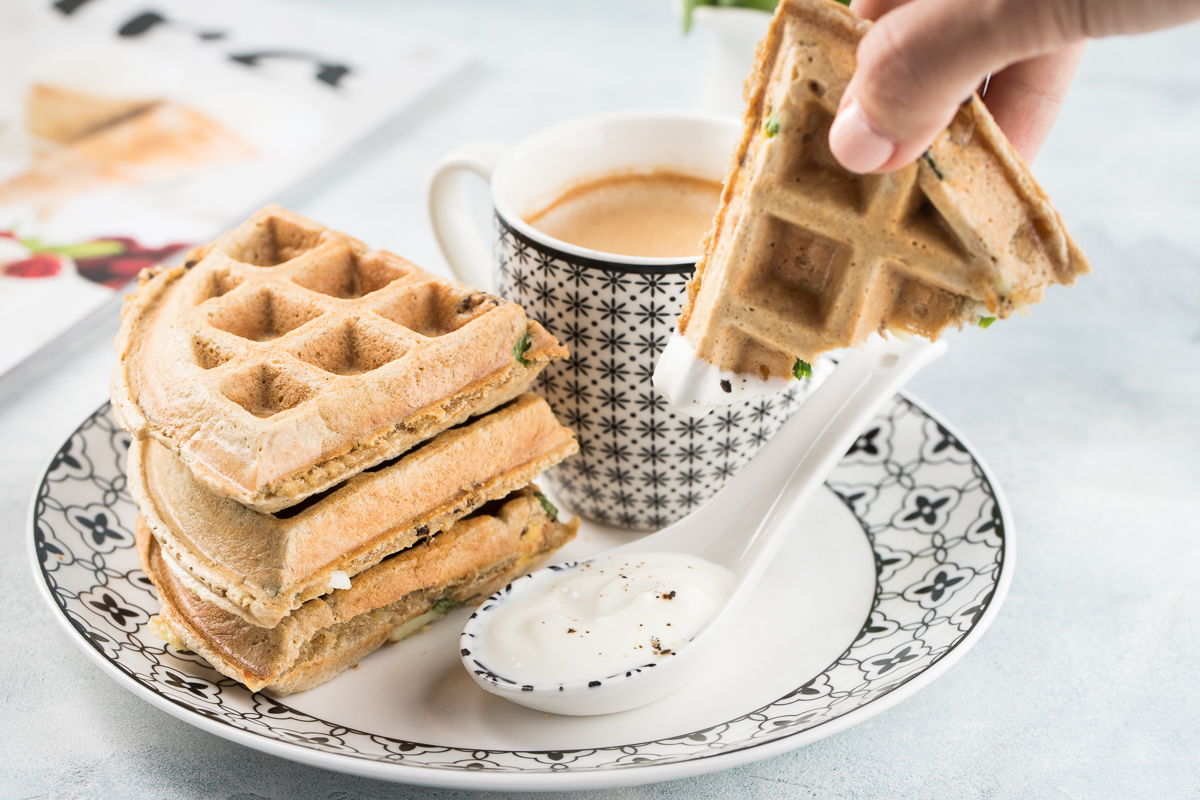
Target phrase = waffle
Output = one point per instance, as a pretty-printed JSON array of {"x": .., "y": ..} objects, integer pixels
[
  {"x": 286, "y": 357},
  {"x": 325, "y": 636},
  {"x": 805, "y": 257},
  {"x": 260, "y": 567}
]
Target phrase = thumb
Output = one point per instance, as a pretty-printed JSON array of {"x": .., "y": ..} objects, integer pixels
[{"x": 919, "y": 62}]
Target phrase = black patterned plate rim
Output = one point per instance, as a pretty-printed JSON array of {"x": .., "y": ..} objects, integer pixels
[{"x": 334, "y": 747}]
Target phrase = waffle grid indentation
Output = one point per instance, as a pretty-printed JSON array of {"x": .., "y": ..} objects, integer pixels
[
  {"x": 358, "y": 345},
  {"x": 434, "y": 309},
  {"x": 265, "y": 390},
  {"x": 272, "y": 241},
  {"x": 261, "y": 312},
  {"x": 349, "y": 276}
]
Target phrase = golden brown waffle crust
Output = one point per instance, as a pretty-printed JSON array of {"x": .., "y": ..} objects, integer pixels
[
  {"x": 286, "y": 357},
  {"x": 465, "y": 563},
  {"x": 964, "y": 232},
  {"x": 260, "y": 567}
]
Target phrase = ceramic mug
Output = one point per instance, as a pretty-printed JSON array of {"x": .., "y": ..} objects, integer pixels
[{"x": 641, "y": 465}]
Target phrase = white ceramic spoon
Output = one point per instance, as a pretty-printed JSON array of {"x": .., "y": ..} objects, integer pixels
[{"x": 741, "y": 528}]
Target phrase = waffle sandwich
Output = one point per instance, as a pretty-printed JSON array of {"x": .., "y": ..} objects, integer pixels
[
  {"x": 261, "y": 567},
  {"x": 463, "y": 564},
  {"x": 805, "y": 256},
  {"x": 331, "y": 448},
  {"x": 286, "y": 357}
]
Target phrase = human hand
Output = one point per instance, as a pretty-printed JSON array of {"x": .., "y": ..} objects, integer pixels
[{"x": 921, "y": 58}]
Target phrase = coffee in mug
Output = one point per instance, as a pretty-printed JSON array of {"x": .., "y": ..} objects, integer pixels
[{"x": 661, "y": 214}]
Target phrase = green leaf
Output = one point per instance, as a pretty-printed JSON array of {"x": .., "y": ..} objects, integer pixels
[
  {"x": 771, "y": 126},
  {"x": 802, "y": 369},
  {"x": 688, "y": 7},
  {"x": 846, "y": 3},
  {"x": 761, "y": 5},
  {"x": 444, "y": 605},
  {"x": 521, "y": 348},
  {"x": 984, "y": 322},
  {"x": 97, "y": 249},
  {"x": 547, "y": 506}
]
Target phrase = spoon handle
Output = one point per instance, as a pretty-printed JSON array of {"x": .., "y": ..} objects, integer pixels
[{"x": 814, "y": 440}]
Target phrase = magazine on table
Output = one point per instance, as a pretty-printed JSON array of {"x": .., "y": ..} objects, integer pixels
[{"x": 130, "y": 132}]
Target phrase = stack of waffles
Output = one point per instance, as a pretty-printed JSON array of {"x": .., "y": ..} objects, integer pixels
[
  {"x": 805, "y": 257},
  {"x": 332, "y": 448}
]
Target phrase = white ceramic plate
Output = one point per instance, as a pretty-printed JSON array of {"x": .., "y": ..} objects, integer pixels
[{"x": 902, "y": 564}]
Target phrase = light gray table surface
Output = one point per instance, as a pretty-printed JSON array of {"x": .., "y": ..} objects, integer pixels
[{"x": 1088, "y": 683}]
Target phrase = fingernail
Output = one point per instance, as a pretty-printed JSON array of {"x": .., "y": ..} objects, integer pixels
[{"x": 856, "y": 143}]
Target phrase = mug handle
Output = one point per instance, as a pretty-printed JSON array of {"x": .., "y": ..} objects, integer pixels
[{"x": 450, "y": 211}]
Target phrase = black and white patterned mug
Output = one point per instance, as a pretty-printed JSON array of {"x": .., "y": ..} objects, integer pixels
[{"x": 641, "y": 464}]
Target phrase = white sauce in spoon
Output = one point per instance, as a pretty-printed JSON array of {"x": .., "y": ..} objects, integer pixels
[{"x": 606, "y": 616}]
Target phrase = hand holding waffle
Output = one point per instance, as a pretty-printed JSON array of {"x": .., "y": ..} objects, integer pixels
[
  {"x": 805, "y": 256},
  {"x": 923, "y": 57}
]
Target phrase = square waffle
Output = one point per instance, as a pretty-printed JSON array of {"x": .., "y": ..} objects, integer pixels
[
  {"x": 261, "y": 567},
  {"x": 286, "y": 357},
  {"x": 464, "y": 564},
  {"x": 805, "y": 256}
]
